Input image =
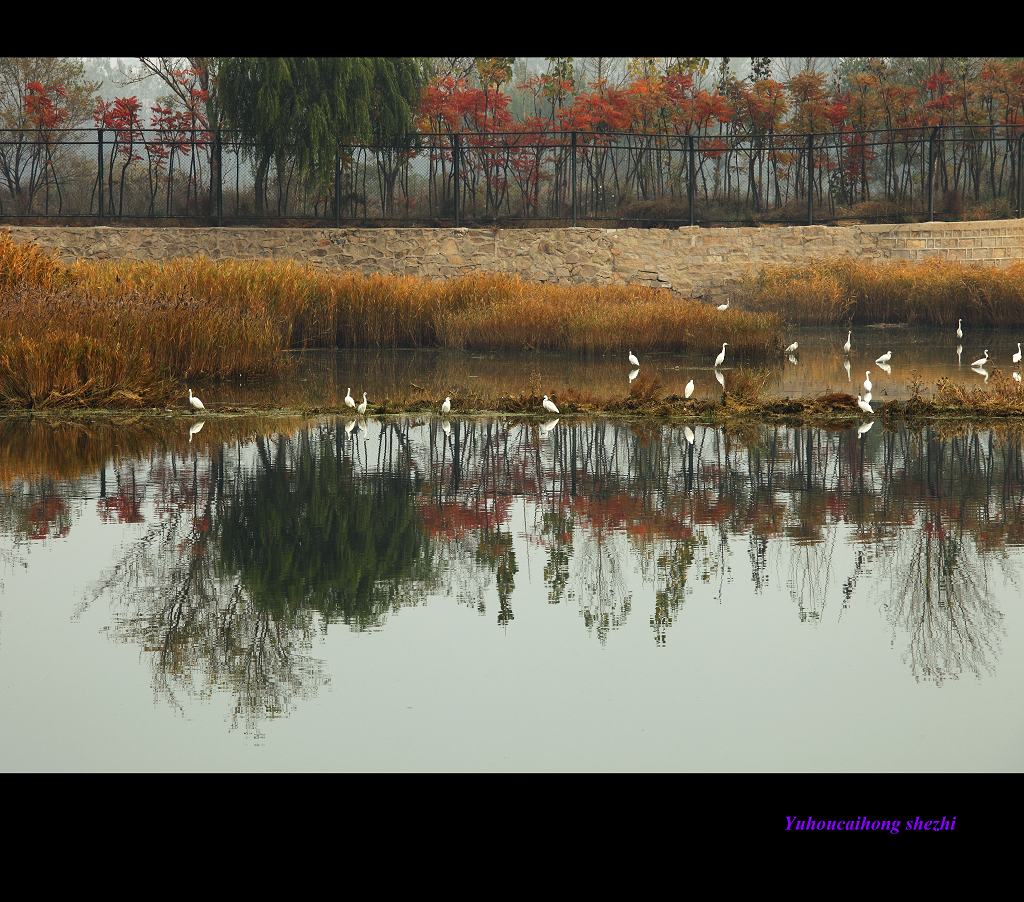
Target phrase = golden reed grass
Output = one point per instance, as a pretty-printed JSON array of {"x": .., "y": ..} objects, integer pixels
[
  {"x": 133, "y": 332},
  {"x": 933, "y": 293}
]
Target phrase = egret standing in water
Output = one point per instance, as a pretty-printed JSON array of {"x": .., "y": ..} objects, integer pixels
[
  {"x": 720, "y": 359},
  {"x": 791, "y": 348},
  {"x": 446, "y": 408},
  {"x": 195, "y": 402},
  {"x": 1017, "y": 356},
  {"x": 633, "y": 360},
  {"x": 885, "y": 358},
  {"x": 549, "y": 406},
  {"x": 959, "y": 330},
  {"x": 724, "y": 306},
  {"x": 981, "y": 361},
  {"x": 362, "y": 407},
  {"x": 847, "y": 346},
  {"x": 688, "y": 392},
  {"x": 867, "y": 380},
  {"x": 349, "y": 400}
]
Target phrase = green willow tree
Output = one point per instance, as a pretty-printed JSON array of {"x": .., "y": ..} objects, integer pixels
[{"x": 295, "y": 111}]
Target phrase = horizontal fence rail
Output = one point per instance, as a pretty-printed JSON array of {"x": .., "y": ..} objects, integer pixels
[{"x": 517, "y": 178}]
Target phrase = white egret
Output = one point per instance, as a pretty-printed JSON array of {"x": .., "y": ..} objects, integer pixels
[
  {"x": 195, "y": 402},
  {"x": 194, "y": 428},
  {"x": 846, "y": 366},
  {"x": 724, "y": 306},
  {"x": 362, "y": 407},
  {"x": 633, "y": 360},
  {"x": 885, "y": 358},
  {"x": 981, "y": 361},
  {"x": 634, "y": 373},
  {"x": 349, "y": 400},
  {"x": 792, "y": 348},
  {"x": 688, "y": 432},
  {"x": 847, "y": 346},
  {"x": 720, "y": 378},
  {"x": 959, "y": 330},
  {"x": 863, "y": 405},
  {"x": 720, "y": 359},
  {"x": 549, "y": 405},
  {"x": 688, "y": 392},
  {"x": 864, "y": 427},
  {"x": 867, "y": 380},
  {"x": 446, "y": 408},
  {"x": 1017, "y": 356}
]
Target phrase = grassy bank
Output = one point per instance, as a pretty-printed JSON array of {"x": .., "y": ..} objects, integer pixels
[
  {"x": 130, "y": 334},
  {"x": 931, "y": 293}
]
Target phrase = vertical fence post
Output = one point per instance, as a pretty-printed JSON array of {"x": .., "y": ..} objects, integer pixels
[
  {"x": 99, "y": 170},
  {"x": 219, "y": 152},
  {"x": 337, "y": 187},
  {"x": 810, "y": 179},
  {"x": 574, "y": 179},
  {"x": 456, "y": 154},
  {"x": 691, "y": 176},
  {"x": 931, "y": 175}
]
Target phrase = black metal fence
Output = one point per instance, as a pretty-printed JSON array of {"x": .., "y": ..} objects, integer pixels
[{"x": 515, "y": 178}]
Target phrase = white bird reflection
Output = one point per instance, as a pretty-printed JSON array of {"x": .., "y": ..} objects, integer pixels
[
  {"x": 864, "y": 427},
  {"x": 981, "y": 371},
  {"x": 1016, "y": 377},
  {"x": 846, "y": 366},
  {"x": 545, "y": 428},
  {"x": 634, "y": 373},
  {"x": 959, "y": 351},
  {"x": 885, "y": 368},
  {"x": 688, "y": 432},
  {"x": 720, "y": 378},
  {"x": 792, "y": 359},
  {"x": 194, "y": 428},
  {"x": 446, "y": 427},
  {"x": 349, "y": 426}
]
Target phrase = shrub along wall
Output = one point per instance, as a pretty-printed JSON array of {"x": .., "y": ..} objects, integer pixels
[{"x": 696, "y": 262}]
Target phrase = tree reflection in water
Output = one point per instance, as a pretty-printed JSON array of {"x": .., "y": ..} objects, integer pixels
[{"x": 249, "y": 543}]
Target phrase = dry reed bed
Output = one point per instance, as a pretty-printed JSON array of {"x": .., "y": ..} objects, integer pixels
[
  {"x": 129, "y": 334},
  {"x": 932, "y": 293}
]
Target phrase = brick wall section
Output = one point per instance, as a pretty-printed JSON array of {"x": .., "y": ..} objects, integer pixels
[{"x": 691, "y": 261}]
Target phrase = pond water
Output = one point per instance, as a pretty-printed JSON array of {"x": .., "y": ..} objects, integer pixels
[
  {"x": 321, "y": 378},
  {"x": 496, "y": 595}
]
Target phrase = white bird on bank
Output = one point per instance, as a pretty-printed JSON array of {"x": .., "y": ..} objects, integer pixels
[
  {"x": 847, "y": 346},
  {"x": 349, "y": 400},
  {"x": 981, "y": 361},
  {"x": 864, "y": 405},
  {"x": 885, "y": 358},
  {"x": 688, "y": 391},
  {"x": 720, "y": 359},
  {"x": 724, "y": 306},
  {"x": 446, "y": 408},
  {"x": 195, "y": 402},
  {"x": 549, "y": 406},
  {"x": 1017, "y": 356},
  {"x": 864, "y": 427},
  {"x": 867, "y": 381},
  {"x": 792, "y": 348},
  {"x": 633, "y": 360},
  {"x": 959, "y": 329},
  {"x": 362, "y": 407}
]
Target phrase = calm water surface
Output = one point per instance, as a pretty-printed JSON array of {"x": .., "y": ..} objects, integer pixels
[
  {"x": 420, "y": 595},
  {"x": 920, "y": 356}
]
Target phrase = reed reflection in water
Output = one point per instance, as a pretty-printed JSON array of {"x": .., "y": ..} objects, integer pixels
[{"x": 249, "y": 542}]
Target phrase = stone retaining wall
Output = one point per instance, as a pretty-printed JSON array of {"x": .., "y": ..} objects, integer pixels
[{"x": 691, "y": 261}]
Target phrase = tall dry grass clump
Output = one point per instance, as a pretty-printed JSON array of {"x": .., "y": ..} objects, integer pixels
[
  {"x": 193, "y": 318},
  {"x": 931, "y": 292}
]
